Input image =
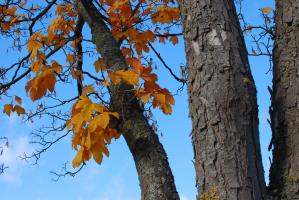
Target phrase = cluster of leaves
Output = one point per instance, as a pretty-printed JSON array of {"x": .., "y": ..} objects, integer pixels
[
  {"x": 210, "y": 195},
  {"x": 134, "y": 24},
  {"x": 90, "y": 122},
  {"x": 9, "y": 17},
  {"x": 9, "y": 108}
]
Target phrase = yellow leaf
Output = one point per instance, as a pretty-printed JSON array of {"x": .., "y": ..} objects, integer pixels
[
  {"x": 7, "y": 109},
  {"x": 97, "y": 155},
  {"x": 79, "y": 158},
  {"x": 101, "y": 121},
  {"x": 82, "y": 156},
  {"x": 11, "y": 11},
  {"x": 77, "y": 122},
  {"x": 68, "y": 125},
  {"x": 88, "y": 89},
  {"x": 145, "y": 98},
  {"x": 266, "y": 10},
  {"x": 114, "y": 78},
  {"x": 159, "y": 99},
  {"x": 39, "y": 85},
  {"x": 83, "y": 102},
  {"x": 164, "y": 100},
  {"x": 19, "y": 110},
  {"x": 98, "y": 108},
  {"x": 246, "y": 81},
  {"x": 35, "y": 43},
  {"x": 88, "y": 142},
  {"x": 18, "y": 100},
  {"x": 128, "y": 76},
  {"x": 111, "y": 133},
  {"x": 100, "y": 65}
]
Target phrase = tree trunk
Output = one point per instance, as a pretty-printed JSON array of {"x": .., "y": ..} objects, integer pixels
[
  {"x": 222, "y": 102},
  {"x": 284, "y": 173},
  {"x": 155, "y": 176}
]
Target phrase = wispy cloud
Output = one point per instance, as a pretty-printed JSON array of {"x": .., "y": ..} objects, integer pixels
[
  {"x": 116, "y": 190},
  {"x": 10, "y": 157}
]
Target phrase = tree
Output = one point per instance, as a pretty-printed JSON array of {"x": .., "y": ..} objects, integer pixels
[
  {"x": 284, "y": 173},
  {"x": 222, "y": 101},
  {"x": 115, "y": 96},
  {"x": 110, "y": 97}
]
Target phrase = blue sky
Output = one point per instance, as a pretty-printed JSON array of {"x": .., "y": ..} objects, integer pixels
[{"x": 116, "y": 177}]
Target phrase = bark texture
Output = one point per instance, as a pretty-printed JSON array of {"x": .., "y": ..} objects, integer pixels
[
  {"x": 284, "y": 173},
  {"x": 155, "y": 176},
  {"x": 222, "y": 102}
]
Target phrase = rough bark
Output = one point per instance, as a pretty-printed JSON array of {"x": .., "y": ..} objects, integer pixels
[
  {"x": 284, "y": 173},
  {"x": 155, "y": 176},
  {"x": 222, "y": 102}
]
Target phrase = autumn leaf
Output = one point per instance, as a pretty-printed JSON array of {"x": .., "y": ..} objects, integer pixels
[
  {"x": 148, "y": 36},
  {"x": 100, "y": 65},
  {"x": 145, "y": 98},
  {"x": 266, "y": 10},
  {"x": 111, "y": 133},
  {"x": 81, "y": 156},
  {"x": 164, "y": 100},
  {"x": 90, "y": 120},
  {"x": 97, "y": 155},
  {"x": 35, "y": 43},
  {"x": 76, "y": 42},
  {"x": 18, "y": 100},
  {"x": 19, "y": 110},
  {"x": 174, "y": 40},
  {"x": 8, "y": 108},
  {"x": 100, "y": 121},
  {"x": 128, "y": 76},
  {"x": 246, "y": 81},
  {"x": 38, "y": 86},
  {"x": 165, "y": 15}
]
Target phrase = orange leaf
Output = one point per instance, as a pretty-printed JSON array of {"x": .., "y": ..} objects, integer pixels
[
  {"x": 79, "y": 158},
  {"x": 145, "y": 98},
  {"x": 128, "y": 76},
  {"x": 19, "y": 110},
  {"x": 174, "y": 40},
  {"x": 38, "y": 86},
  {"x": 100, "y": 65},
  {"x": 7, "y": 109},
  {"x": 18, "y": 100},
  {"x": 266, "y": 10}
]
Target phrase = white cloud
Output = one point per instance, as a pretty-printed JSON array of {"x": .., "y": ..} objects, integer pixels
[
  {"x": 10, "y": 157},
  {"x": 116, "y": 190},
  {"x": 13, "y": 119}
]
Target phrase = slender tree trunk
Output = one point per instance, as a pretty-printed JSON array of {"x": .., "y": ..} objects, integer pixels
[
  {"x": 222, "y": 102},
  {"x": 284, "y": 173},
  {"x": 155, "y": 176}
]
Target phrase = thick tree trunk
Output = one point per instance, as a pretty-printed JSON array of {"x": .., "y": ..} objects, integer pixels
[
  {"x": 156, "y": 179},
  {"x": 222, "y": 102},
  {"x": 284, "y": 173}
]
